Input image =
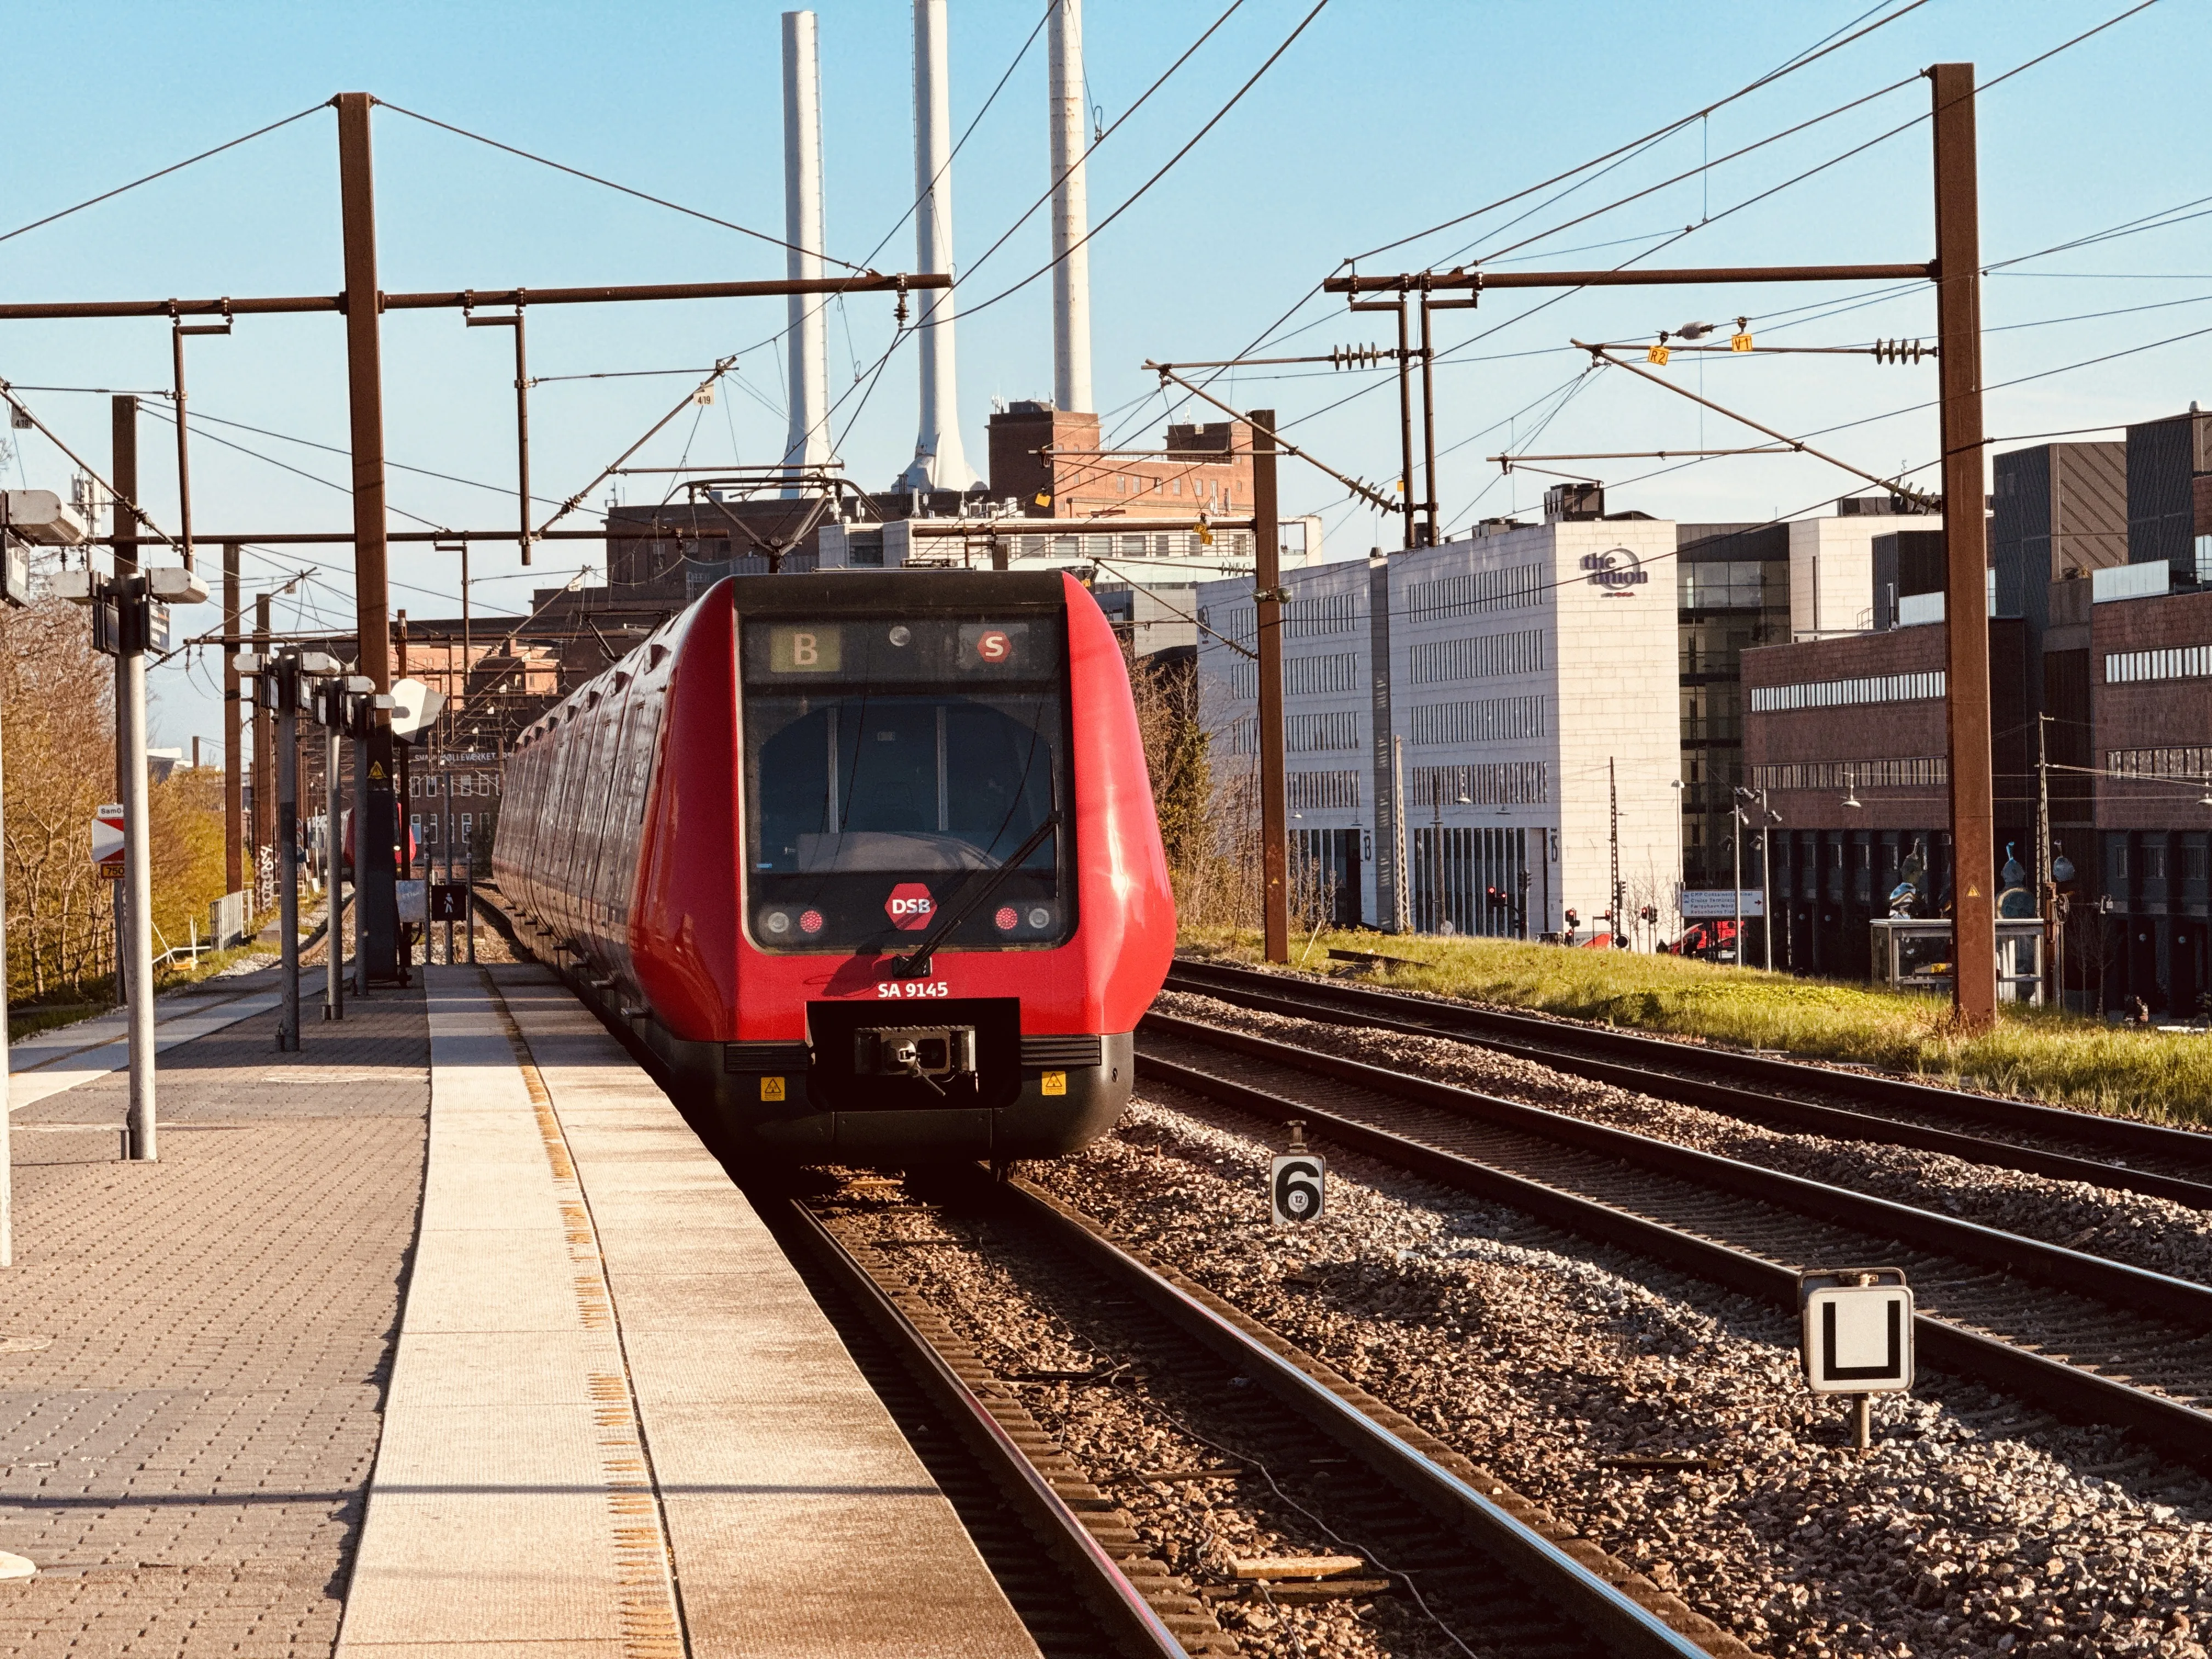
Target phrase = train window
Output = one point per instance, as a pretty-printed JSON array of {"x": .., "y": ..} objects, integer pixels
[{"x": 934, "y": 750}]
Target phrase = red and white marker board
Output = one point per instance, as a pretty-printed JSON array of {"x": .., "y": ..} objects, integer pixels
[{"x": 107, "y": 841}]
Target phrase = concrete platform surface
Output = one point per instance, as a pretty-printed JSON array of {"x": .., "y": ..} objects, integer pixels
[
  {"x": 618, "y": 1427},
  {"x": 44, "y": 1064},
  {"x": 193, "y": 1353}
]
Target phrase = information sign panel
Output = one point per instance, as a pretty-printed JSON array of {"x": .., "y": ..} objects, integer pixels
[
  {"x": 1857, "y": 1336},
  {"x": 1296, "y": 1186}
]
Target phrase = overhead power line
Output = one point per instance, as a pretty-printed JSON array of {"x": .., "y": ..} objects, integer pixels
[
  {"x": 1801, "y": 62},
  {"x": 163, "y": 172},
  {"x": 1120, "y": 121},
  {"x": 625, "y": 190},
  {"x": 1453, "y": 351}
]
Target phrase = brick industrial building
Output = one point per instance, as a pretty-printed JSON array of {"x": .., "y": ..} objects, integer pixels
[{"x": 2100, "y": 646}]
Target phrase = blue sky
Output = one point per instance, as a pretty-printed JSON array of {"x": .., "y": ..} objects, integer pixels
[{"x": 1339, "y": 149}]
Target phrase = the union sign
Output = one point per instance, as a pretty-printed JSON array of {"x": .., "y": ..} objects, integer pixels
[{"x": 1616, "y": 570}]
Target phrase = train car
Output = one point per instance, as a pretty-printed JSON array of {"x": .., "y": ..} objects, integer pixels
[{"x": 869, "y": 861}]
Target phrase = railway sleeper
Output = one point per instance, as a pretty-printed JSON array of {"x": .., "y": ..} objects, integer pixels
[
  {"x": 2130, "y": 1135},
  {"x": 1470, "y": 1498},
  {"x": 2176, "y": 1430},
  {"x": 2053, "y": 1265},
  {"x": 1147, "y": 1609},
  {"x": 1754, "y": 1106}
]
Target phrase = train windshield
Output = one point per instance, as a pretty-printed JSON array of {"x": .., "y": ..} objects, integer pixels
[{"x": 893, "y": 769}]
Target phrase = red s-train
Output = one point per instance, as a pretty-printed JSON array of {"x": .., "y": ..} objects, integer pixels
[{"x": 869, "y": 861}]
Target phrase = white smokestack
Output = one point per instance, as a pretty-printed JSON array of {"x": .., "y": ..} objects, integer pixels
[
  {"x": 939, "y": 463},
  {"x": 802, "y": 227},
  {"x": 1070, "y": 213}
]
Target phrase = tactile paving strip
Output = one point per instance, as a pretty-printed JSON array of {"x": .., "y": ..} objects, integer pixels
[{"x": 650, "y": 1607}]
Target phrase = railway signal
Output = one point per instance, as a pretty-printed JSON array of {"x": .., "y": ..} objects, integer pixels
[
  {"x": 130, "y": 611},
  {"x": 1298, "y": 1181},
  {"x": 1857, "y": 1336},
  {"x": 285, "y": 684}
]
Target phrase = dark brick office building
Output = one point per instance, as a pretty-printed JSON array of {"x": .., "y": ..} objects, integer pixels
[{"x": 2100, "y": 644}]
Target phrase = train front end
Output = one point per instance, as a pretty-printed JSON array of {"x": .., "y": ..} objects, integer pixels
[{"x": 952, "y": 907}]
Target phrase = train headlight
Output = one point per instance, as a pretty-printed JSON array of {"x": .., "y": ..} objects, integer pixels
[
  {"x": 778, "y": 922},
  {"x": 901, "y": 635},
  {"x": 1039, "y": 916}
]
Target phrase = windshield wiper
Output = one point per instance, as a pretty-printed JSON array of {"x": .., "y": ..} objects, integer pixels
[{"x": 915, "y": 963}]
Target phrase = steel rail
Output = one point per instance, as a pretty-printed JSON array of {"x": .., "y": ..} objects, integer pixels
[
  {"x": 1595, "y": 1600},
  {"x": 1120, "y": 1605},
  {"x": 1438, "y": 1016},
  {"x": 1272, "y": 994},
  {"x": 2176, "y": 1428},
  {"x": 2031, "y": 1259}
]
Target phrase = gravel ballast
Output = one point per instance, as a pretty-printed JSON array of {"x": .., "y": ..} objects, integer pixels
[
  {"x": 1023, "y": 1319},
  {"x": 1978, "y": 1525},
  {"x": 2143, "y": 1232}
]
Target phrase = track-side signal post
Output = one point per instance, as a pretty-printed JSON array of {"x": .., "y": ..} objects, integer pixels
[
  {"x": 375, "y": 888},
  {"x": 284, "y": 684},
  {"x": 523, "y": 538},
  {"x": 331, "y": 695},
  {"x": 130, "y": 613},
  {"x": 15, "y": 595},
  {"x": 1966, "y": 548},
  {"x": 1267, "y": 615},
  {"x": 233, "y": 748}
]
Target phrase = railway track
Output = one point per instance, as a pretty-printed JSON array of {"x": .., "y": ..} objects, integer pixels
[
  {"x": 1453, "y": 1549},
  {"x": 2087, "y": 1337},
  {"x": 1846, "y": 1105}
]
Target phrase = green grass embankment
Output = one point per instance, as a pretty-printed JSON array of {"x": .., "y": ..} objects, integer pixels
[{"x": 2035, "y": 1053}]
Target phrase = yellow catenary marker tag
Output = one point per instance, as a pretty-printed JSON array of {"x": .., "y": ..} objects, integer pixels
[
  {"x": 771, "y": 1088},
  {"x": 1739, "y": 343},
  {"x": 1055, "y": 1083},
  {"x": 1656, "y": 354}
]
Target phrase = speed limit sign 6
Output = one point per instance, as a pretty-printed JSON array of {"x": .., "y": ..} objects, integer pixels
[{"x": 1296, "y": 1187}]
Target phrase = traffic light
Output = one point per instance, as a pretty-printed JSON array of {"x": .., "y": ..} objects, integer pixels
[{"x": 1494, "y": 897}]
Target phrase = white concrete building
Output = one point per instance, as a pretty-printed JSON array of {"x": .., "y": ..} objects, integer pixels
[
  {"x": 1498, "y": 714},
  {"x": 1832, "y": 570}
]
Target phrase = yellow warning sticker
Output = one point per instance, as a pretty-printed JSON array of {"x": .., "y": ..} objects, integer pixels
[
  {"x": 771, "y": 1088},
  {"x": 1055, "y": 1083}
]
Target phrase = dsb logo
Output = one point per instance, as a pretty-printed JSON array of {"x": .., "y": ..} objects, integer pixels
[{"x": 909, "y": 906}]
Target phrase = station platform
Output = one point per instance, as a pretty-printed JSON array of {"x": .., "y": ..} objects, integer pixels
[{"x": 442, "y": 1335}]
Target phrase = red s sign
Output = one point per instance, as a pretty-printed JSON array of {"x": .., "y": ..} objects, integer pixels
[
  {"x": 909, "y": 906},
  {"x": 994, "y": 646}
]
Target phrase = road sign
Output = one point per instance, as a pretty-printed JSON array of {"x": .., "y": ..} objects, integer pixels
[
  {"x": 1857, "y": 1330},
  {"x": 1711, "y": 904},
  {"x": 107, "y": 841},
  {"x": 1296, "y": 1186}
]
